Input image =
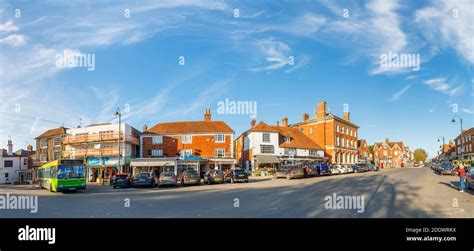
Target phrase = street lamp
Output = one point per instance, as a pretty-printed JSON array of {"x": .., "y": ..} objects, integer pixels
[
  {"x": 117, "y": 113},
  {"x": 442, "y": 147},
  {"x": 460, "y": 120}
]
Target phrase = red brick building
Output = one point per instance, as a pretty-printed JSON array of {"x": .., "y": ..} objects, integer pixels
[
  {"x": 364, "y": 151},
  {"x": 391, "y": 154},
  {"x": 338, "y": 136},
  {"x": 211, "y": 142},
  {"x": 464, "y": 148}
]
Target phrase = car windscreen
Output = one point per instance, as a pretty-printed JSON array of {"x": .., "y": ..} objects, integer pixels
[
  {"x": 215, "y": 171},
  {"x": 71, "y": 172},
  {"x": 167, "y": 174},
  {"x": 143, "y": 175},
  {"x": 239, "y": 171},
  {"x": 447, "y": 165},
  {"x": 121, "y": 176}
]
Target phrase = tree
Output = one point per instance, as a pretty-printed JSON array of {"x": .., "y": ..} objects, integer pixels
[{"x": 420, "y": 155}]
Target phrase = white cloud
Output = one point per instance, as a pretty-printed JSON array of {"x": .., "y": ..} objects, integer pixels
[
  {"x": 396, "y": 96},
  {"x": 8, "y": 26},
  {"x": 276, "y": 54},
  {"x": 440, "y": 85},
  {"x": 449, "y": 24},
  {"x": 14, "y": 40}
]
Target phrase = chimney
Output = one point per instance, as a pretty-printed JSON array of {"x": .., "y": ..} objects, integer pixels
[
  {"x": 305, "y": 116},
  {"x": 347, "y": 116},
  {"x": 278, "y": 123},
  {"x": 29, "y": 148},
  {"x": 207, "y": 115},
  {"x": 284, "y": 122},
  {"x": 252, "y": 123},
  {"x": 10, "y": 147},
  {"x": 321, "y": 109},
  {"x": 145, "y": 128}
]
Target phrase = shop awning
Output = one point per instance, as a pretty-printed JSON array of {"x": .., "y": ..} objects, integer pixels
[
  {"x": 267, "y": 159},
  {"x": 152, "y": 162}
]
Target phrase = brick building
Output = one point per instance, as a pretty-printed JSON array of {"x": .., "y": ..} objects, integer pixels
[
  {"x": 49, "y": 145},
  {"x": 264, "y": 145},
  {"x": 168, "y": 146},
  {"x": 337, "y": 136},
  {"x": 363, "y": 151},
  {"x": 464, "y": 145},
  {"x": 389, "y": 154}
]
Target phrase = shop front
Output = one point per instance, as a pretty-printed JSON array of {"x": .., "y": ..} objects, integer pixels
[
  {"x": 156, "y": 165},
  {"x": 221, "y": 164},
  {"x": 264, "y": 165},
  {"x": 101, "y": 169}
]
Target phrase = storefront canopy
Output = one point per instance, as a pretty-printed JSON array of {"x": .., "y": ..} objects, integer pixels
[
  {"x": 267, "y": 159},
  {"x": 152, "y": 162}
]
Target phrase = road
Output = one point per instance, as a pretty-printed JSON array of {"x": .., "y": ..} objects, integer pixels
[{"x": 394, "y": 193}]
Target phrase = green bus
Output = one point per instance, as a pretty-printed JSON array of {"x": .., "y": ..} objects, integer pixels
[{"x": 62, "y": 175}]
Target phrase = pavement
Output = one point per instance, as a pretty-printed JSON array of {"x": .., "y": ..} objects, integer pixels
[{"x": 389, "y": 193}]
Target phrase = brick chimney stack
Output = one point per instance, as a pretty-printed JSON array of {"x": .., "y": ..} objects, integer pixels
[
  {"x": 207, "y": 115},
  {"x": 145, "y": 128},
  {"x": 305, "y": 116},
  {"x": 10, "y": 147},
  {"x": 29, "y": 148},
  {"x": 284, "y": 122},
  {"x": 347, "y": 116},
  {"x": 321, "y": 109},
  {"x": 252, "y": 123}
]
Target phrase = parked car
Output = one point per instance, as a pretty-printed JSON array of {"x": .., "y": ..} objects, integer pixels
[
  {"x": 323, "y": 169},
  {"x": 343, "y": 169},
  {"x": 446, "y": 168},
  {"x": 214, "y": 176},
  {"x": 122, "y": 180},
  {"x": 363, "y": 167},
  {"x": 335, "y": 170},
  {"x": 358, "y": 169},
  {"x": 237, "y": 175},
  {"x": 310, "y": 170},
  {"x": 373, "y": 167},
  {"x": 289, "y": 172},
  {"x": 349, "y": 169},
  {"x": 144, "y": 180},
  {"x": 190, "y": 177},
  {"x": 168, "y": 178},
  {"x": 470, "y": 178}
]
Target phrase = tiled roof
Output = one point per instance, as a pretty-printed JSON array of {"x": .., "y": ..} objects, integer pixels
[
  {"x": 4, "y": 153},
  {"x": 191, "y": 127},
  {"x": 53, "y": 132},
  {"x": 297, "y": 138},
  {"x": 327, "y": 117}
]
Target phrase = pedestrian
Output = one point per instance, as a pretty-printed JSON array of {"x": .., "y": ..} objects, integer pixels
[{"x": 462, "y": 177}]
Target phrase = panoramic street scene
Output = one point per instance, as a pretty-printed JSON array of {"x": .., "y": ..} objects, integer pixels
[{"x": 231, "y": 109}]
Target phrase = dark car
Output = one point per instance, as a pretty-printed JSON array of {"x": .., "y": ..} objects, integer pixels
[
  {"x": 323, "y": 169},
  {"x": 237, "y": 175},
  {"x": 144, "y": 180},
  {"x": 289, "y": 172},
  {"x": 168, "y": 178},
  {"x": 445, "y": 168},
  {"x": 363, "y": 168},
  {"x": 310, "y": 170},
  {"x": 373, "y": 167},
  {"x": 470, "y": 178},
  {"x": 214, "y": 176},
  {"x": 122, "y": 180},
  {"x": 190, "y": 177}
]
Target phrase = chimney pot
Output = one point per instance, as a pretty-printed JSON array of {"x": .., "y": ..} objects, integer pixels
[
  {"x": 10, "y": 147},
  {"x": 145, "y": 128},
  {"x": 305, "y": 116},
  {"x": 207, "y": 115},
  {"x": 321, "y": 109},
  {"x": 253, "y": 122},
  {"x": 284, "y": 122}
]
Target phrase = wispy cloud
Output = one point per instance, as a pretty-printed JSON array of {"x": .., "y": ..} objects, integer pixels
[
  {"x": 440, "y": 85},
  {"x": 396, "y": 96},
  {"x": 14, "y": 40}
]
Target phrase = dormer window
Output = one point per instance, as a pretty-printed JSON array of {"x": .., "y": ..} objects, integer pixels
[{"x": 287, "y": 139}]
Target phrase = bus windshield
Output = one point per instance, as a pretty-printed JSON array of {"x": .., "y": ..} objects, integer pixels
[{"x": 71, "y": 172}]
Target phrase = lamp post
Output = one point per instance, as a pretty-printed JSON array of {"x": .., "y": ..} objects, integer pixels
[
  {"x": 460, "y": 120},
  {"x": 442, "y": 146},
  {"x": 117, "y": 113}
]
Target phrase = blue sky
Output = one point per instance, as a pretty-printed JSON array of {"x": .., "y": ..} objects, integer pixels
[{"x": 244, "y": 58}]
